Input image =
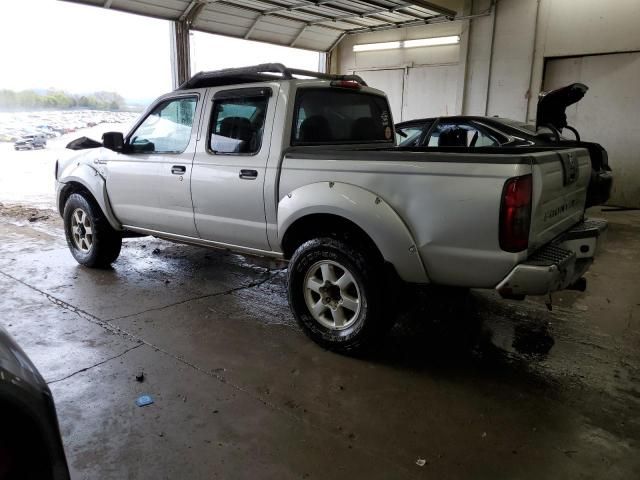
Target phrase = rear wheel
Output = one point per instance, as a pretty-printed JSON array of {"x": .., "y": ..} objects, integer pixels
[
  {"x": 337, "y": 294},
  {"x": 91, "y": 240}
]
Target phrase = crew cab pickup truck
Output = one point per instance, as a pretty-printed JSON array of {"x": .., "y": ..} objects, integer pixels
[{"x": 260, "y": 161}]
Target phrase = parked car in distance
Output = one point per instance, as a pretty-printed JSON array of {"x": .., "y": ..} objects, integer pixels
[
  {"x": 31, "y": 142},
  {"x": 258, "y": 161},
  {"x": 30, "y": 442},
  {"x": 476, "y": 132}
]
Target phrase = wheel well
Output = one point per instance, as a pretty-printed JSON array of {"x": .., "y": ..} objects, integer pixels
[
  {"x": 69, "y": 189},
  {"x": 326, "y": 225}
]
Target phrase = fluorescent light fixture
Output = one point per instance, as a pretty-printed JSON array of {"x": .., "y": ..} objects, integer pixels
[
  {"x": 431, "y": 42},
  {"x": 421, "y": 42},
  {"x": 369, "y": 47}
]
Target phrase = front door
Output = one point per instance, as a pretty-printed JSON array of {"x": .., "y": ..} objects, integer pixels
[
  {"x": 229, "y": 172},
  {"x": 149, "y": 185}
]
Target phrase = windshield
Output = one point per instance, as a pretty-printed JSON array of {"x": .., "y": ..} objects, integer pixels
[{"x": 340, "y": 116}]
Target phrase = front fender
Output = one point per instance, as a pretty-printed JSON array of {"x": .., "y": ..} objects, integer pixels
[
  {"x": 92, "y": 180},
  {"x": 367, "y": 210}
]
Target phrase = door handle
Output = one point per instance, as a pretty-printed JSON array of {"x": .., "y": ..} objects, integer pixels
[
  {"x": 248, "y": 174},
  {"x": 178, "y": 170}
]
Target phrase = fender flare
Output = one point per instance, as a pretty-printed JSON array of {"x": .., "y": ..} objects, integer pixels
[
  {"x": 363, "y": 208},
  {"x": 91, "y": 180}
]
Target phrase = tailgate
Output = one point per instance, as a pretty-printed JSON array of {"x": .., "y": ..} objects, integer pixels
[{"x": 560, "y": 181}]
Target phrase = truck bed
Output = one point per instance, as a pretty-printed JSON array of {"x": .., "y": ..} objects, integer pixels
[{"x": 450, "y": 198}]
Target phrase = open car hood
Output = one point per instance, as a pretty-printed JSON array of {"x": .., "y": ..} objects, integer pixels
[{"x": 552, "y": 105}]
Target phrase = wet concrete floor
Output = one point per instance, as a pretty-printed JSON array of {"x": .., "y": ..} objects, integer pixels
[{"x": 476, "y": 387}]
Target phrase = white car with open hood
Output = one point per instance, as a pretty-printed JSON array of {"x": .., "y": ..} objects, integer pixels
[{"x": 261, "y": 161}]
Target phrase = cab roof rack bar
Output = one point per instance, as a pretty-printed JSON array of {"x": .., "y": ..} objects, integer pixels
[{"x": 258, "y": 73}]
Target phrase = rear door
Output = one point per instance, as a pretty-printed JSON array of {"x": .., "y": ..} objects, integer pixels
[
  {"x": 229, "y": 169},
  {"x": 560, "y": 180}
]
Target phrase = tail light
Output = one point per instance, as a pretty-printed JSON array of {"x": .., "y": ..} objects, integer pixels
[
  {"x": 346, "y": 84},
  {"x": 515, "y": 214}
]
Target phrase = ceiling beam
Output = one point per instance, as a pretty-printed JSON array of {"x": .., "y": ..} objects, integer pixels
[
  {"x": 411, "y": 23},
  {"x": 295, "y": 40},
  {"x": 335, "y": 44},
  {"x": 437, "y": 9},
  {"x": 192, "y": 11},
  {"x": 327, "y": 3},
  {"x": 398, "y": 8},
  {"x": 369, "y": 14},
  {"x": 352, "y": 18},
  {"x": 252, "y": 27},
  {"x": 277, "y": 15}
]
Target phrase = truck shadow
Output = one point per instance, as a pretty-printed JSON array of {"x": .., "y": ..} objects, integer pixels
[{"x": 452, "y": 328}]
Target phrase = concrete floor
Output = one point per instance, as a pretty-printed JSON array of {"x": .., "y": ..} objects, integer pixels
[{"x": 501, "y": 390}]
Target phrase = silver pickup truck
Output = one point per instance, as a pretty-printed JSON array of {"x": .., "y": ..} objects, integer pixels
[{"x": 260, "y": 161}]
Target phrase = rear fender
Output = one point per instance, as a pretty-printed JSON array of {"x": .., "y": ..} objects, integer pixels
[
  {"x": 365, "y": 209},
  {"x": 90, "y": 179}
]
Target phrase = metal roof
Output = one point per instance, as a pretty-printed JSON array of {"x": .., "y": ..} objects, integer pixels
[{"x": 311, "y": 24}]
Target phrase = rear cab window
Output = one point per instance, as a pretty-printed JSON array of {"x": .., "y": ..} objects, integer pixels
[{"x": 340, "y": 116}]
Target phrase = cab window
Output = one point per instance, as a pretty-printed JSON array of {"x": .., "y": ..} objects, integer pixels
[
  {"x": 237, "y": 124},
  {"x": 340, "y": 116},
  {"x": 167, "y": 129}
]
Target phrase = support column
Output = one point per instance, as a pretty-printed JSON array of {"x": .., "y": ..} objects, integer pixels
[{"x": 180, "y": 53}]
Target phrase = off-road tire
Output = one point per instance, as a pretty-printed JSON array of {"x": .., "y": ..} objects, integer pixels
[
  {"x": 105, "y": 242},
  {"x": 373, "y": 318}
]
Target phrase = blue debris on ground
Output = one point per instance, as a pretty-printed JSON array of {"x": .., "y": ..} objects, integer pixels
[{"x": 144, "y": 400}]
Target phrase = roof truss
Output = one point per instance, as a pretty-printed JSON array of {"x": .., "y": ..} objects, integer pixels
[{"x": 311, "y": 24}]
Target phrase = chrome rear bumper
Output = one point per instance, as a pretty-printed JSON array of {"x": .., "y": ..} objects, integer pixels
[{"x": 559, "y": 264}]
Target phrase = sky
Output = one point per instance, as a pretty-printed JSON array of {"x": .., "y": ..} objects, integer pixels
[{"x": 81, "y": 49}]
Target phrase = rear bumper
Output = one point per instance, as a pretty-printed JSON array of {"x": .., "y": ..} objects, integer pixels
[{"x": 559, "y": 264}]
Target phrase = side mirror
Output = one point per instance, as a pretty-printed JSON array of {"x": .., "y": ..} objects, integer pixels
[{"x": 113, "y": 141}]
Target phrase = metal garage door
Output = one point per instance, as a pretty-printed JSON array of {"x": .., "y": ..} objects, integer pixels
[
  {"x": 389, "y": 81},
  {"x": 428, "y": 91},
  {"x": 609, "y": 113}
]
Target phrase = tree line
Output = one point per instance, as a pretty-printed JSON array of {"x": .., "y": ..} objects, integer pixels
[{"x": 59, "y": 100}]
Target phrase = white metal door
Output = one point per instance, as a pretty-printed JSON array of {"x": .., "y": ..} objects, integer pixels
[
  {"x": 609, "y": 113},
  {"x": 390, "y": 82},
  {"x": 430, "y": 91}
]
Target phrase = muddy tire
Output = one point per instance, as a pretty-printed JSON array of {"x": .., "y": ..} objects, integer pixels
[
  {"x": 92, "y": 241},
  {"x": 337, "y": 295}
]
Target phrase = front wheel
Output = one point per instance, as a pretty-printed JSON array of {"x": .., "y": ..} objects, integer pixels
[
  {"x": 91, "y": 239},
  {"x": 337, "y": 294}
]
